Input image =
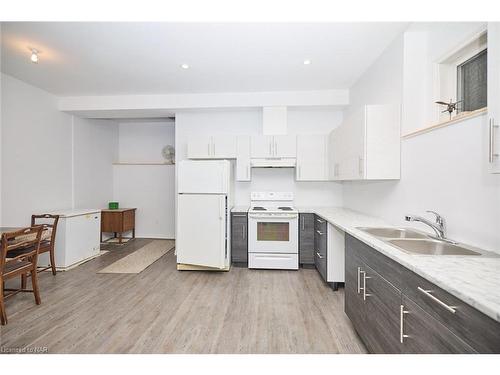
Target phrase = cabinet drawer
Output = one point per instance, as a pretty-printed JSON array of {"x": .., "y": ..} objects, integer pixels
[
  {"x": 424, "y": 334},
  {"x": 273, "y": 261},
  {"x": 391, "y": 270},
  {"x": 321, "y": 264},
  {"x": 478, "y": 330},
  {"x": 320, "y": 224}
]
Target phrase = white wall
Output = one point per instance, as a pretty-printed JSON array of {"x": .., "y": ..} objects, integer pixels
[
  {"x": 149, "y": 188},
  {"x": 50, "y": 160},
  {"x": 249, "y": 122},
  {"x": 443, "y": 170},
  {"x": 36, "y": 153},
  {"x": 95, "y": 148}
]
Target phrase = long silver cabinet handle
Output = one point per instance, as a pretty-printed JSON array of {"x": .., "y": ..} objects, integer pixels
[
  {"x": 320, "y": 232},
  {"x": 491, "y": 137},
  {"x": 429, "y": 294},
  {"x": 320, "y": 221},
  {"x": 303, "y": 223},
  {"x": 402, "y": 335},
  {"x": 319, "y": 255},
  {"x": 359, "y": 279}
]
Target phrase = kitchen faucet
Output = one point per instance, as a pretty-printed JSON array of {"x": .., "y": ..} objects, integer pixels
[{"x": 439, "y": 226}]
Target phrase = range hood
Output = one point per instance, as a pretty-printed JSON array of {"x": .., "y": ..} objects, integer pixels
[{"x": 273, "y": 162}]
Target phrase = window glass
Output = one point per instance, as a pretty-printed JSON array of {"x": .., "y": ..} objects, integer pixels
[{"x": 472, "y": 82}]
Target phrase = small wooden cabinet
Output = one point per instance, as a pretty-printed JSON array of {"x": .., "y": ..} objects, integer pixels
[
  {"x": 239, "y": 238},
  {"x": 118, "y": 222},
  {"x": 306, "y": 239},
  {"x": 392, "y": 314}
]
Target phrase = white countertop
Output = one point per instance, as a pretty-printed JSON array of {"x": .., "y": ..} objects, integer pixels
[
  {"x": 74, "y": 212},
  {"x": 240, "y": 209},
  {"x": 474, "y": 280}
]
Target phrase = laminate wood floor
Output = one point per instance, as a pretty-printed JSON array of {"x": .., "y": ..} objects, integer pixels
[{"x": 162, "y": 310}]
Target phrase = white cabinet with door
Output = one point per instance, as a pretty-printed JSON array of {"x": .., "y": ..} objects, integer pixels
[
  {"x": 243, "y": 167},
  {"x": 312, "y": 157},
  {"x": 367, "y": 145},
  {"x": 273, "y": 146},
  {"x": 493, "y": 123},
  {"x": 212, "y": 147}
]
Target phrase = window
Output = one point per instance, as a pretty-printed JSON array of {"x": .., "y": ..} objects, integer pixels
[{"x": 472, "y": 82}]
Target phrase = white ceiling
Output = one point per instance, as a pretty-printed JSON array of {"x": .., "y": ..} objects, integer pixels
[{"x": 145, "y": 58}]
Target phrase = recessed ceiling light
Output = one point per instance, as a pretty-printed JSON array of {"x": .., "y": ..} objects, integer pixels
[
  {"x": 34, "y": 56},
  {"x": 185, "y": 66},
  {"x": 307, "y": 62}
]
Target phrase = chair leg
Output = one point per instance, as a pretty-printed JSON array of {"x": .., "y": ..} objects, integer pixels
[
  {"x": 23, "y": 281},
  {"x": 34, "y": 282},
  {"x": 3, "y": 314},
  {"x": 52, "y": 261}
]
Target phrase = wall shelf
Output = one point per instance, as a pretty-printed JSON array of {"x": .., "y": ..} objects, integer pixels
[
  {"x": 142, "y": 163},
  {"x": 454, "y": 120}
]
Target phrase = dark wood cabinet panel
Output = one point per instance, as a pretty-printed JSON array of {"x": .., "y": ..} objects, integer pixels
[
  {"x": 306, "y": 239},
  {"x": 436, "y": 321},
  {"x": 320, "y": 246},
  {"x": 424, "y": 334},
  {"x": 382, "y": 305},
  {"x": 118, "y": 221},
  {"x": 479, "y": 330},
  {"x": 239, "y": 238}
]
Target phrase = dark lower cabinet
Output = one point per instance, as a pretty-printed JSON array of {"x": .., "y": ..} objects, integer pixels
[
  {"x": 239, "y": 238},
  {"x": 306, "y": 239},
  {"x": 321, "y": 246},
  {"x": 421, "y": 333},
  {"x": 396, "y": 311}
]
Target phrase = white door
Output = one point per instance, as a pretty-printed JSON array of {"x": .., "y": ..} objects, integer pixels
[
  {"x": 201, "y": 230},
  {"x": 223, "y": 147},
  {"x": 311, "y": 158},
  {"x": 285, "y": 146},
  {"x": 262, "y": 146},
  {"x": 243, "y": 171},
  {"x": 207, "y": 176},
  {"x": 199, "y": 148},
  {"x": 493, "y": 122}
]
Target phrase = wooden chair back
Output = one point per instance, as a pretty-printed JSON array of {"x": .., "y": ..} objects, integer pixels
[
  {"x": 47, "y": 221},
  {"x": 28, "y": 239}
]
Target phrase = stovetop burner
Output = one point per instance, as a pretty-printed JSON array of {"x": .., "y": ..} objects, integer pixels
[
  {"x": 258, "y": 208},
  {"x": 285, "y": 208}
]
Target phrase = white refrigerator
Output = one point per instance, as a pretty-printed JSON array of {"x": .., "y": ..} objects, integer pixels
[{"x": 204, "y": 203}]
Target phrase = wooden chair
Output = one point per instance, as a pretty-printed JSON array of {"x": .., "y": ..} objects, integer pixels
[
  {"x": 28, "y": 240},
  {"x": 47, "y": 244}
]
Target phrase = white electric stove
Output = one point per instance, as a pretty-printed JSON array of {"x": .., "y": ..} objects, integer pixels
[{"x": 273, "y": 238}]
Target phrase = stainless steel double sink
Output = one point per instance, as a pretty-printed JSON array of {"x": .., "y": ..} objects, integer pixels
[{"x": 419, "y": 243}]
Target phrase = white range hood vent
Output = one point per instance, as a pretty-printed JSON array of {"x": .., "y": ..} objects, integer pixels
[{"x": 273, "y": 162}]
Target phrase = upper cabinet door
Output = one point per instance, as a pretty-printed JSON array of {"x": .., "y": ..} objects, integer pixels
[
  {"x": 285, "y": 146},
  {"x": 243, "y": 171},
  {"x": 493, "y": 123},
  {"x": 223, "y": 147},
  {"x": 311, "y": 158},
  {"x": 262, "y": 146},
  {"x": 199, "y": 148}
]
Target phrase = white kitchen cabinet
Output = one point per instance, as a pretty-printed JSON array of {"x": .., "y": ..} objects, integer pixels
[
  {"x": 366, "y": 146},
  {"x": 493, "y": 123},
  {"x": 262, "y": 146},
  {"x": 312, "y": 157},
  {"x": 212, "y": 147},
  {"x": 243, "y": 167},
  {"x": 273, "y": 146}
]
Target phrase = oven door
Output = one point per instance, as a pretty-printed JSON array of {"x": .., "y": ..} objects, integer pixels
[{"x": 273, "y": 234}]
